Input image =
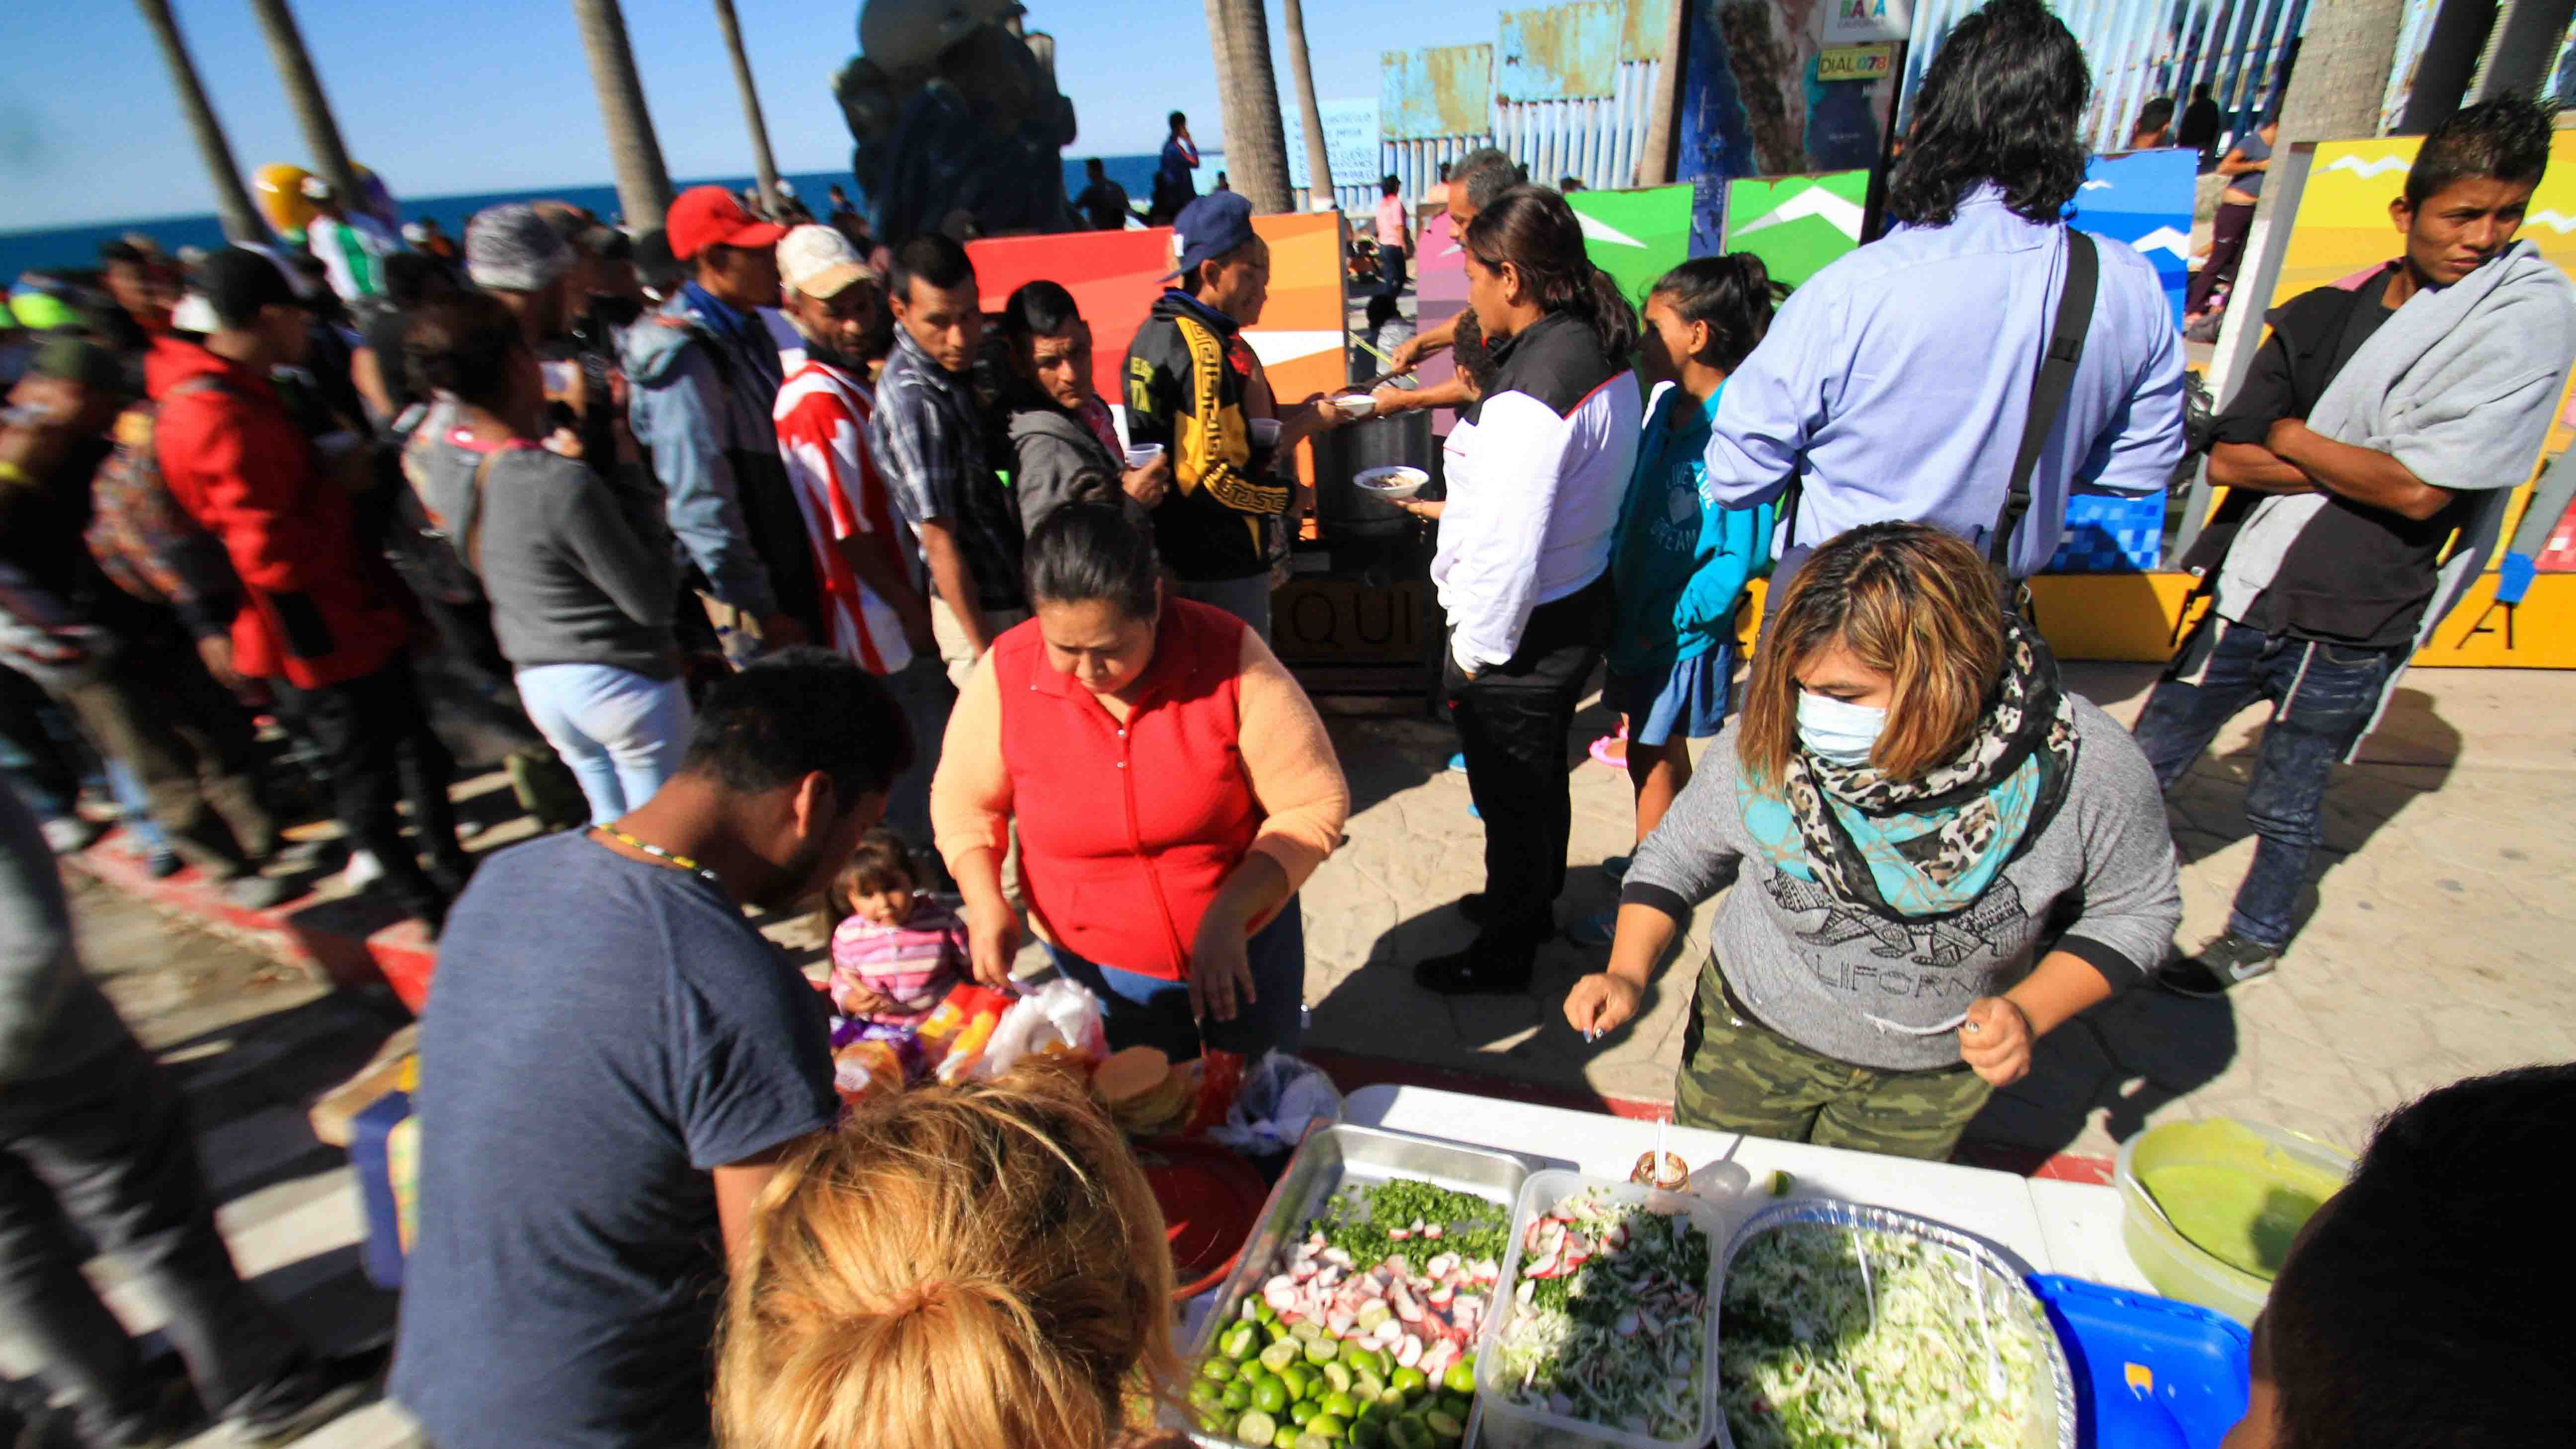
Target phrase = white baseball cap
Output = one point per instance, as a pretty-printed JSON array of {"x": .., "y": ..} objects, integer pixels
[{"x": 820, "y": 262}]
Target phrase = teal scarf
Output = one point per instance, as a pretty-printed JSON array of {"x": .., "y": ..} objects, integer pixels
[{"x": 1928, "y": 847}]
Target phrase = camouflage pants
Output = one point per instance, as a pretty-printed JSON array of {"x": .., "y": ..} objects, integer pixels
[{"x": 1738, "y": 1075}]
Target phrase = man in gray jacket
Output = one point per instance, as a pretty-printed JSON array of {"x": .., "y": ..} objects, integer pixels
[
  {"x": 93, "y": 1137},
  {"x": 1063, "y": 443}
]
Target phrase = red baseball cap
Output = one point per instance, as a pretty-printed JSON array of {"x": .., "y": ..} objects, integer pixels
[{"x": 709, "y": 216}]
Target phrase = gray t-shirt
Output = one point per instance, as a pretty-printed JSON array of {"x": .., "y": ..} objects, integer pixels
[
  {"x": 2254, "y": 148},
  {"x": 1872, "y": 992},
  {"x": 603, "y": 1034},
  {"x": 576, "y": 573}
]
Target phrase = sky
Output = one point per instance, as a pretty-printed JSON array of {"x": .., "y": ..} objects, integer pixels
[{"x": 495, "y": 95}]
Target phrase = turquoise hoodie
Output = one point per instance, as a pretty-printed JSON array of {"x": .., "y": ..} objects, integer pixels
[{"x": 1678, "y": 566}]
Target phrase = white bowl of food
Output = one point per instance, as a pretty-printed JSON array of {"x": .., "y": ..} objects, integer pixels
[
  {"x": 1393, "y": 482},
  {"x": 1355, "y": 404}
]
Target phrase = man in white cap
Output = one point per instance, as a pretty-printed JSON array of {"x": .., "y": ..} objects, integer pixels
[{"x": 872, "y": 611}]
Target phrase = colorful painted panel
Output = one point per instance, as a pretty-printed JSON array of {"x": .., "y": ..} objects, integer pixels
[
  {"x": 2110, "y": 534},
  {"x": 1642, "y": 37},
  {"x": 1424, "y": 95},
  {"x": 1795, "y": 224},
  {"x": 1116, "y": 275},
  {"x": 2144, "y": 198},
  {"x": 1440, "y": 294},
  {"x": 1635, "y": 236},
  {"x": 1564, "y": 53},
  {"x": 1752, "y": 105}
]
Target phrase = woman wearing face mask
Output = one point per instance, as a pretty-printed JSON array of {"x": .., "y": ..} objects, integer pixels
[
  {"x": 1939, "y": 856},
  {"x": 1065, "y": 446},
  {"x": 1172, "y": 787}
]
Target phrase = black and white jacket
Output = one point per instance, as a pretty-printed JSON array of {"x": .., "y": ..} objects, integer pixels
[{"x": 1536, "y": 470}]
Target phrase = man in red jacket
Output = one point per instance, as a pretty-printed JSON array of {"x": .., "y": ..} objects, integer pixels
[{"x": 321, "y": 620}]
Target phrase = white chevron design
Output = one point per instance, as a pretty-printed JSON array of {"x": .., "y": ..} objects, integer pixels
[
  {"x": 1595, "y": 229},
  {"x": 2552, "y": 220},
  {"x": 1274, "y": 348},
  {"x": 2165, "y": 239},
  {"x": 2367, "y": 169},
  {"x": 2097, "y": 184},
  {"x": 1814, "y": 201}
]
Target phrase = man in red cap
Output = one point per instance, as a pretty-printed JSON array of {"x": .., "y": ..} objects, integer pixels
[{"x": 705, "y": 380}]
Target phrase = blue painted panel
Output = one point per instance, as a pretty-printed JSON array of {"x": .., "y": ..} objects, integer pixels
[
  {"x": 1447, "y": 90},
  {"x": 2144, "y": 198}
]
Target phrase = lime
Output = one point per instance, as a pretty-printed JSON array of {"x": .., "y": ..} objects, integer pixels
[
  {"x": 1330, "y": 1426},
  {"x": 1241, "y": 1342},
  {"x": 1309, "y": 1332},
  {"x": 1207, "y": 1393},
  {"x": 1339, "y": 1376},
  {"x": 1444, "y": 1427},
  {"x": 1341, "y": 1406},
  {"x": 1312, "y": 1440},
  {"x": 1452, "y": 1405},
  {"x": 1256, "y": 1427},
  {"x": 1390, "y": 1399},
  {"x": 1274, "y": 1330},
  {"x": 1322, "y": 1351},
  {"x": 1779, "y": 1184},
  {"x": 1218, "y": 1367},
  {"x": 1270, "y": 1396},
  {"x": 1278, "y": 1356},
  {"x": 1408, "y": 1434},
  {"x": 1461, "y": 1378},
  {"x": 1408, "y": 1379},
  {"x": 1367, "y": 1387},
  {"x": 1303, "y": 1412},
  {"x": 1365, "y": 1360},
  {"x": 1238, "y": 1395},
  {"x": 1296, "y": 1376},
  {"x": 1286, "y": 1438},
  {"x": 1368, "y": 1434},
  {"x": 1263, "y": 1312}
]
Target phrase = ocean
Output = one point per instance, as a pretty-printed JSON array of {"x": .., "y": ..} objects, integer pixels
[{"x": 77, "y": 246}]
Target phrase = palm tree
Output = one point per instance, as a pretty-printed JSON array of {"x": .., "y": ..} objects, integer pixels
[
  {"x": 766, "y": 168},
  {"x": 304, "y": 92},
  {"x": 1319, "y": 163},
  {"x": 1256, "y": 146},
  {"x": 643, "y": 185},
  {"x": 232, "y": 199}
]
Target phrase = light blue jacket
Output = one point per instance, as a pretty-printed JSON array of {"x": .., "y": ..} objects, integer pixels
[
  {"x": 703, "y": 436},
  {"x": 1677, "y": 565}
]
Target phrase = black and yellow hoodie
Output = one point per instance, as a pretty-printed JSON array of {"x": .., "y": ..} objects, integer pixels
[{"x": 1187, "y": 373}]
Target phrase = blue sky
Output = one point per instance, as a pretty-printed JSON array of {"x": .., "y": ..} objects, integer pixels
[{"x": 493, "y": 95}]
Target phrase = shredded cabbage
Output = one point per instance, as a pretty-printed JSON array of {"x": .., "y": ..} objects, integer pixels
[{"x": 1818, "y": 1349}]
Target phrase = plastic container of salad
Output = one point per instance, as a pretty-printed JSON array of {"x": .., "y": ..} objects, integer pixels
[{"x": 1509, "y": 1425}]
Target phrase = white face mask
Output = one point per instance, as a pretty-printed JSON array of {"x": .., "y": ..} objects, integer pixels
[{"x": 1838, "y": 730}]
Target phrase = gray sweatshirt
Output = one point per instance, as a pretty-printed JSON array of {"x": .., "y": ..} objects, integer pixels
[
  {"x": 576, "y": 574},
  {"x": 53, "y": 1017},
  {"x": 1879, "y": 993}
]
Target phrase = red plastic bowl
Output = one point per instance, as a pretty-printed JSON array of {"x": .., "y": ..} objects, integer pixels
[{"x": 1210, "y": 1199}]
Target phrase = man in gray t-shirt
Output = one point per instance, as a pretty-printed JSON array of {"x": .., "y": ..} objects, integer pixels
[{"x": 612, "y": 1062}]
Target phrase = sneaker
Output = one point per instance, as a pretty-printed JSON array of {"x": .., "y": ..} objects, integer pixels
[
  {"x": 1488, "y": 967},
  {"x": 2230, "y": 961},
  {"x": 255, "y": 892},
  {"x": 71, "y": 834},
  {"x": 1596, "y": 929},
  {"x": 307, "y": 1398}
]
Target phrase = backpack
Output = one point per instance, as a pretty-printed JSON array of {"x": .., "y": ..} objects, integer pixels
[{"x": 439, "y": 566}]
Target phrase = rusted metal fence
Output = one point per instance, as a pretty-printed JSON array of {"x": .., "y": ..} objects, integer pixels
[{"x": 1566, "y": 91}]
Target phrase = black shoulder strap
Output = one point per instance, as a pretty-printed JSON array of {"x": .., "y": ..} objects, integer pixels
[{"x": 2048, "y": 389}]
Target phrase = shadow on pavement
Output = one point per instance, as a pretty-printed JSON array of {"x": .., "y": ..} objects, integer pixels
[{"x": 2125, "y": 1058}]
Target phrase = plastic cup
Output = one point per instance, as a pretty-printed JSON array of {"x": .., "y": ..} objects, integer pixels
[{"x": 1142, "y": 455}]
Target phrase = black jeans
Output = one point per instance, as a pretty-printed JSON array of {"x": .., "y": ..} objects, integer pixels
[
  {"x": 377, "y": 749},
  {"x": 2321, "y": 694},
  {"x": 1512, "y": 724},
  {"x": 105, "y": 1150},
  {"x": 191, "y": 745}
]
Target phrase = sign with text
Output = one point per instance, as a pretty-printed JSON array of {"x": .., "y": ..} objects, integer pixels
[
  {"x": 1850, "y": 22},
  {"x": 1856, "y": 63},
  {"x": 1350, "y": 143},
  {"x": 1343, "y": 621}
]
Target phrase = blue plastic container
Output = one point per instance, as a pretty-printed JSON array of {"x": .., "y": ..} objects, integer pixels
[{"x": 2195, "y": 1359}]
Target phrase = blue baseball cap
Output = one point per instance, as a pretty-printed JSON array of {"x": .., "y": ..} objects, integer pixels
[{"x": 1209, "y": 227}]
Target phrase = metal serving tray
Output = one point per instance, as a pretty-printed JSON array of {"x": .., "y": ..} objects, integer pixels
[
  {"x": 1334, "y": 1156},
  {"x": 2022, "y": 1306}
]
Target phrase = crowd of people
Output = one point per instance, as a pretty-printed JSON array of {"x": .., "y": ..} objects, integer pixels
[{"x": 714, "y": 523}]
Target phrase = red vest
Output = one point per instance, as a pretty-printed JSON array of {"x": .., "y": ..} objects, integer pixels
[{"x": 1126, "y": 831}]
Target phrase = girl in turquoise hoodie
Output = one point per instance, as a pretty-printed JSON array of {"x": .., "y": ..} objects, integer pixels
[{"x": 1678, "y": 566}]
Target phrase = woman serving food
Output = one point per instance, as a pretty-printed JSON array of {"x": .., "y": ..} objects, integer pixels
[{"x": 1940, "y": 856}]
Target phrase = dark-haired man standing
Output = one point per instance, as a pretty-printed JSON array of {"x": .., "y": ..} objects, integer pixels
[
  {"x": 928, "y": 437},
  {"x": 611, "y": 1066},
  {"x": 1864, "y": 393},
  {"x": 2382, "y": 417}
]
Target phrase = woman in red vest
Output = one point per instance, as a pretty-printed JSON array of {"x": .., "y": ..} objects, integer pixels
[{"x": 1172, "y": 788}]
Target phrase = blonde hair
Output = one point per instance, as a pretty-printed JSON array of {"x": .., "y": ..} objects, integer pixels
[
  {"x": 979, "y": 1266},
  {"x": 1906, "y": 599}
]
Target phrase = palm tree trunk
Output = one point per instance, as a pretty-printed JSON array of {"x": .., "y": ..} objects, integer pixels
[
  {"x": 643, "y": 185},
  {"x": 1256, "y": 146},
  {"x": 304, "y": 93},
  {"x": 1319, "y": 162},
  {"x": 762, "y": 165},
  {"x": 232, "y": 199}
]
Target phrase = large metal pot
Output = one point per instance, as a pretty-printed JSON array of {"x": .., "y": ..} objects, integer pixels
[{"x": 1347, "y": 511}]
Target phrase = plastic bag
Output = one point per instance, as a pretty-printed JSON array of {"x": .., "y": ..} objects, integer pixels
[
  {"x": 1282, "y": 1098},
  {"x": 1058, "y": 1019}
]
